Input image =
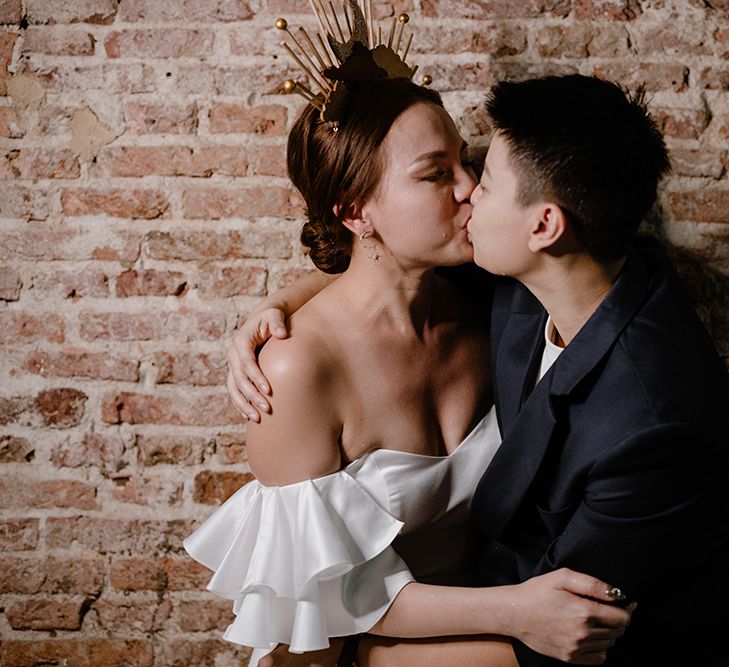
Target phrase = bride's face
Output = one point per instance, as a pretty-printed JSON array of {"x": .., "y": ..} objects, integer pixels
[{"x": 421, "y": 206}]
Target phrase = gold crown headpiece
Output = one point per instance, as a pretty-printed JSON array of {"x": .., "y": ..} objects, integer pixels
[{"x": 357, "y": 55}]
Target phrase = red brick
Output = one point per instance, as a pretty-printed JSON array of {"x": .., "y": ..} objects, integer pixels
[
  {"x": 31, "y": 575},
  {"x": 66, "y": 242},
  {"x": 81, "y": 363},
  {"x": 267, "y": 242},
  {"x": 183, "y": 410},
  {"x": 129, "y": 612},
  {"x": 655, "y": 76},
  {"x": 286, "y": 276},
  {"x": 24, "y": 203},
  {"x": 204, "y": 615},
  {"x": 144, "y": 204},
  {"x": 11, "y": 11},
  {"x": 702, "y": 162},
  {"x": 62, "y": 11},
  {"x": 269, "y": 161},
  {"x": 497, "y": 39},
  {"x": 202, "y": 653},
  {"x": 230, "y": 448},
  {"x": 682, "y": 123},
  {"x": 714, "y": 78},
  {"x": 21, "y": 493},
  {"x": 77, "y": 652},
  {"x": 563, "y": 41},
  {"x": 721, "y": 36},
  {"x": 150, "y": 282},
  {"x": 112, "y": 77},
  {"x": 268, "y": 120},
  {"x": 10, "y": 125},
  {"x": 251, "y": 202},
  {"x": 191, "y": 368},
  {"x": 185, "y": 10},
  {"x": 32, "y": 163},
  {"x": 168, "y": 43},
  {"x": 19, "y": 534},
  {"x": 673, "y": 39},
  {"x": 15, "y": 450},
  {"x": 94, "y": 450},
  {"x": 45, "y": 614},
  {"x": 266, "y": 78},
  {"x": 701, "y": 206},
  {"x": 151, "y": 326},
  {"x": 184, "y": 574},
  {"x": 72, "y": 284},
  {"x": 159, "y": 449},
  {"x": 232, "y": 281},
  {"x": 474, "y": 9},
  {"x": 251, "y": 40},
  {"x": 61, "y": 407},
  {"x": 149, "y": 118},
  {"x": 213, "y": 488},
  {"x": 13, "y": 409},
  {"x": 110, "y": 535},
  {"x": 157, "y": 574},
  {"x": 10, "y": 284},
  {"x": 18, "y": 328},
  {"x": 7, "y": 45},
  {"x": 174, "y": 161},
  {"x": 58, "y": 41},
  {"x": 610, "y": 41},
  {"x": 614, "y": 10},
  {"x": 155, "y": 493},
  {"x": 137, "y": 574}
]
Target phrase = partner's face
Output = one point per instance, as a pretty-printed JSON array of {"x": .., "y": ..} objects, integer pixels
[
  {"x": 421, "y": 206},
  {"x": 499, "y": 225}
]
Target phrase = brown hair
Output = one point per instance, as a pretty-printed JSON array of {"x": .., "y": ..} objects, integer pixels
[{"x": 330, "y": 168}]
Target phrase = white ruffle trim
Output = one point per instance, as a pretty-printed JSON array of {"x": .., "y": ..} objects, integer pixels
[{"x": 302, "y": 562}]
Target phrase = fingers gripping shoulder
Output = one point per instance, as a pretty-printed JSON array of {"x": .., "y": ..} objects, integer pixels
[{"x": 299, "y": 439}]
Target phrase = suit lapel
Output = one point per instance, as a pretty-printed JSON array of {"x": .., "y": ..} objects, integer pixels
[
  {"x": 528, "y": 429},
  {"x": 518, "y": 347}
]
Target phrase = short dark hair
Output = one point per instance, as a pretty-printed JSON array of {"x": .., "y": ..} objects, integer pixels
[
  {"x": 588, "y": 145},
  {"x": 330, "y": 168}
]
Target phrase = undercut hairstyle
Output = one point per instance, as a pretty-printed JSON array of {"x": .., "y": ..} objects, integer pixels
[
  {"x": 342, "y": 168},
  {"x": 587, "y": 145}
]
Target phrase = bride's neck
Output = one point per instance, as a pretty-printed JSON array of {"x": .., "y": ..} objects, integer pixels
[{"x": 385, "y": 293}]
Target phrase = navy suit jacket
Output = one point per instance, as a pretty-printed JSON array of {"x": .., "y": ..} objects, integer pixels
[{"x": 617, "y": 462}]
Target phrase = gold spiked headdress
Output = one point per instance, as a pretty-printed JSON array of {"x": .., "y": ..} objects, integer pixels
[{"x": 338, "y": 58}]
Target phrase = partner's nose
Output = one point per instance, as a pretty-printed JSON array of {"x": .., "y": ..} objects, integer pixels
[
  {"x": 465, "y": 183},
  {"x": 476, "y": 193}
]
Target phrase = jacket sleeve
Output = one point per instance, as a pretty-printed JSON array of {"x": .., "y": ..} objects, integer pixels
[{"x": 653, "y": 514}]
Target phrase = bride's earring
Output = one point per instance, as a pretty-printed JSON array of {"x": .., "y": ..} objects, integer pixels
[{"x": 374, "y": 255}]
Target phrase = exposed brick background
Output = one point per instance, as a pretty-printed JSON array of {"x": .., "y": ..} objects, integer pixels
[{"x": 143, "y": 210}]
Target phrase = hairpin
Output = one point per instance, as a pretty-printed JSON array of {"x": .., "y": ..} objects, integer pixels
[{"x": 337, "y": 56}]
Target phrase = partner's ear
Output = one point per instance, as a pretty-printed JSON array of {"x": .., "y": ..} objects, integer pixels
[
  {"x": 548, "y": 228},
  {"x": 352, "y": 219}
]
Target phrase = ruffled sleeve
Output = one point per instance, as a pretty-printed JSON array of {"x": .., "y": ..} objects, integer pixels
[{"x": 302, "y": 562}]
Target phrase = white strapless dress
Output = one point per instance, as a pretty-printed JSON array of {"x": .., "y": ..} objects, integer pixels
[{"x": 326, "y": 557}]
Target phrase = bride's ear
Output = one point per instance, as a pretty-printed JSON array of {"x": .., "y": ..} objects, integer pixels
[{"x": 352, "y": 219}]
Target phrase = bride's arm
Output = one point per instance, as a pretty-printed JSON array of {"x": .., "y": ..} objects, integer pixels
[{"x": 562, "y": 614}]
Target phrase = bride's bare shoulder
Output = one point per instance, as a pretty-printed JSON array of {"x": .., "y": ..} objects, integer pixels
[{"x": 299, "y": 439}]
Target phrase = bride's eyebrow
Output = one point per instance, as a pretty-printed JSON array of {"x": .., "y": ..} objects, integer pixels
[{"x": 433, "y": 155}]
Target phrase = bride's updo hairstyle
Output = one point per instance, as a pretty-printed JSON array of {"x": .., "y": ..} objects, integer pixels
[{"x": 338, "y": 168}]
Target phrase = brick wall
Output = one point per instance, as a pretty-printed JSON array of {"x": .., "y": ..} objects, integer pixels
[{"x": 144, "y": 209}]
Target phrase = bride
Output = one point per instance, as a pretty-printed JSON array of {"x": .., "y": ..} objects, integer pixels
[{"x": 380, "y": 423}]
